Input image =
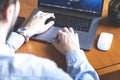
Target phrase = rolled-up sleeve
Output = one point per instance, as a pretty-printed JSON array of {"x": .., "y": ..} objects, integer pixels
[{"x": 78, "y": 66}]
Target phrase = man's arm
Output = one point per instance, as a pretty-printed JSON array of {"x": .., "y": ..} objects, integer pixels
[
  {"x": 35, "y": 26},
  {"x": 14, "y": 41},
  {"x": 78, "y": 66}
]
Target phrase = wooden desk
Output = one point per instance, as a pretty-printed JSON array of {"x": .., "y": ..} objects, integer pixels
[{"x": 103, "y": 62}]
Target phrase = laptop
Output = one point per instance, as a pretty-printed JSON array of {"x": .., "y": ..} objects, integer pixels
[{"x": 82, "y": 15}]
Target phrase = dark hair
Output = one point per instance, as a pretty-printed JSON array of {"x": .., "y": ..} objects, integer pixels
[{"x": 3, "y": 5}]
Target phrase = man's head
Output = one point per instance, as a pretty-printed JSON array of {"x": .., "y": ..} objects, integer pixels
[{"x": 9, "y": 10}]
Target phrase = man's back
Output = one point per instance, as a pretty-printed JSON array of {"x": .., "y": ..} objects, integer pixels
[{"x": 29, "y": 67}]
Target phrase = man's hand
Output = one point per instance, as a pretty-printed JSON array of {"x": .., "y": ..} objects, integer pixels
[
  {"x": 68, "y": 40},
  {"x": 37, "y": 24}
]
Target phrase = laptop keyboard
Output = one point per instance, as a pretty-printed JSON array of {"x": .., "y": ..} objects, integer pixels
[{"x": 82, "y": 24}]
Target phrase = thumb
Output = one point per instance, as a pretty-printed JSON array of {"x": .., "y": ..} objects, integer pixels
[{"x": 50, "y": 24}]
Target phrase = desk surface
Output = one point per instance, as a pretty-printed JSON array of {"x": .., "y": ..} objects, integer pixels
[{"x": 103, "y": 62}]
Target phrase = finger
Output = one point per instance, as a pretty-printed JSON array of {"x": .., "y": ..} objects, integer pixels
[
  {"x": 59, "y": 32},
  {"x": 76, "y": 34},
  {"x": 47, "y": 16},
  {"x": 50, "y": 24},
  {"x": 65, "y": 29},
  {"x": 55, "y": 43},
  {"x": 77, "y": 37},
  {"x": 38, "y": 13},
  {"x": 71, "y": 30},
  {"x": 53, "y": 16}
]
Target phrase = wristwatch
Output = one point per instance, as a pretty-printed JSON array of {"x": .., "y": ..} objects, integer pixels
[{"x": 23, "y": 31}]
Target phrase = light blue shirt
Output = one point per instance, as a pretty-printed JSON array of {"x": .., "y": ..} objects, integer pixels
[{"x": 30, "y": 67}]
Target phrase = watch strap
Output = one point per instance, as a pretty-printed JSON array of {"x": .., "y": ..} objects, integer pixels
[{"x": 23, "y": 31}]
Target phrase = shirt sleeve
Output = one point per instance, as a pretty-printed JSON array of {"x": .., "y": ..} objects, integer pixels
[
  {"x": 14, "y": 42},
  {"x": 78, "y": 66}
]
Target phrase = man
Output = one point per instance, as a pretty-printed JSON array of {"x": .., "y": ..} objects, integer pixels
[{"x": 28, "y": 67}]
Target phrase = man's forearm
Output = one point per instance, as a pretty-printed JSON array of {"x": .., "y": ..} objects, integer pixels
[
  {"x": 14, "y": 41},
  {"x": 79, "y": 68}
]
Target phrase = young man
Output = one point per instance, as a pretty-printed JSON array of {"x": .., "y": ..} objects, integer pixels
[{"x": 29, "y": 67}]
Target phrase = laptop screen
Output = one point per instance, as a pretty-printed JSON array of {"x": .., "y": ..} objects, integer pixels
[{"x": 87, "y": 6}]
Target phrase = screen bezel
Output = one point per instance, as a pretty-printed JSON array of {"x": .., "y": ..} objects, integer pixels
[{"x": 75, "y": 11}]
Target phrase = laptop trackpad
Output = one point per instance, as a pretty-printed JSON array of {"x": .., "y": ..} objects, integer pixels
[{"x": 48, "y": 35}]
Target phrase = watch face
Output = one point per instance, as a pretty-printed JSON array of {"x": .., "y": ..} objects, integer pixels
[{"x": 21, "y": 30}]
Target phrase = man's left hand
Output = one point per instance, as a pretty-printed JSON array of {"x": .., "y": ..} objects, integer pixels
[{"x": 37, "y": 24}]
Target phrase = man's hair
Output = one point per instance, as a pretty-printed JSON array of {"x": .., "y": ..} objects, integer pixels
[{"x": 3, "y": 5}]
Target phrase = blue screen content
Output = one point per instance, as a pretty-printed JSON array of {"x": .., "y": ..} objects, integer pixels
[{"x": 91, "y": 6}]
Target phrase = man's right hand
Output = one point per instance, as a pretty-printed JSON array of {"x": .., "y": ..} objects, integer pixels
[{"x": 68, "y": 41}]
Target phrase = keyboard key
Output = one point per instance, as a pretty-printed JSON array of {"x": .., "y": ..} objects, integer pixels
[{"x": 82, "y": 24}]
